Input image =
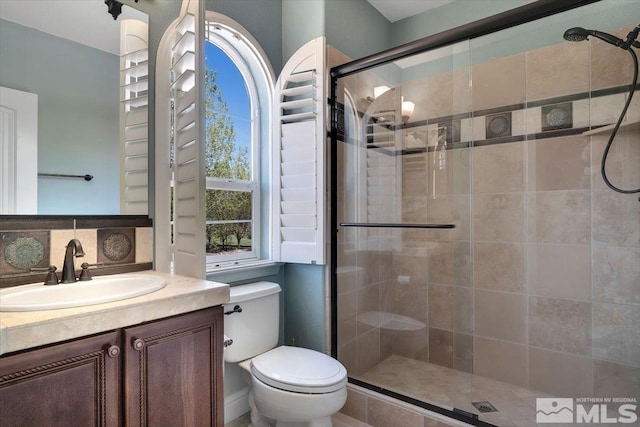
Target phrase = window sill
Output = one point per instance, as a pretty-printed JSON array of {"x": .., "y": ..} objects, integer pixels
[{"x": 247, "y": 271}]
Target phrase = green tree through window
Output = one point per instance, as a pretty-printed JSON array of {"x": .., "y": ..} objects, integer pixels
[{"x": 229, "y": 212}]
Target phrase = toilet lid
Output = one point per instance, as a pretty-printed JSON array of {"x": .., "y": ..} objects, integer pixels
[{"x": 299, "y": 370}]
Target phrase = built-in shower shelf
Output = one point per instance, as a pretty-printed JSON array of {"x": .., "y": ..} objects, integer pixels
[
  {"x": 632, "y": 125},
  {"x": 395, "y": 225}
]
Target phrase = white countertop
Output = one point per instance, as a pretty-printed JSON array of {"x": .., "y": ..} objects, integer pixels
[{"x": 22, "y": 330}]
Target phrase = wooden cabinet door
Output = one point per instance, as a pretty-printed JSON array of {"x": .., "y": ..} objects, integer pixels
[
  {"x": 71, "y": 384},
  {"x": 173, "y": 371}
]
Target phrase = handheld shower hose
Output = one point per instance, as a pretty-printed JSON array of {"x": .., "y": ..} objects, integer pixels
[{"x": 580, "y": 34}]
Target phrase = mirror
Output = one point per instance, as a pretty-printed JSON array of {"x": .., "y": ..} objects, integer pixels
[{"x": 67, "y": 53}]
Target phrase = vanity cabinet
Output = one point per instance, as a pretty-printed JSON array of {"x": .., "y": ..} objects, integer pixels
[
  {"x": 166, "y": 372},
  {"x": 71, "y": 384},
  {"x": 173, "y": 371}
]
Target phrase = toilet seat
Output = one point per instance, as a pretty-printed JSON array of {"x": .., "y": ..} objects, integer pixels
[{"x": 299, "y": 370}]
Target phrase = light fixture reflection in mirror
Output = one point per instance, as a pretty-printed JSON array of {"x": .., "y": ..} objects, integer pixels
[{"x": 407, "y": 110}]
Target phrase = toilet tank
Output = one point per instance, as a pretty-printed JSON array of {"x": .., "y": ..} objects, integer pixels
[{"x": 255, "y": 329}]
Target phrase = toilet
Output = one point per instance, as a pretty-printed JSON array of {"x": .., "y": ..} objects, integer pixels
[{"x": 288, "y": 386}]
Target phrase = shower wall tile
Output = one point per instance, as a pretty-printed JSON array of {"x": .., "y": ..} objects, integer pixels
[
  {"x": 368, "y": 299},
  {"x": 614, "y": 380},
  {"x": 378, "y": 265},
  {"x": 560, "y": 271},
  {"x": 409, "y": 300},
  {"x": 581, "y": 113},
  {"x": 348, "y": 356},
  {"x": 449, "y": 263},
  {"x": 500, "y": 360},
  {"x": 499, "y": 82},
  {"x": 533, "y": 122},
  {"x": 610, "y": 67},
  {"x": 350, "y": 277},
  {"x": 560, "y": 217},
  {"x": 605, "y": 110},
  {"x": 622, "y": 160},
  {"x": 500, "y": 315},
  {"x": 347, "y": 327},
  {"x": 441, "y": 347},
  {"x": 559, "y": 164},
  {"x": 463, "y": 352},
  {"x": 451, "y": 308},
  {"x": 557, "y": 70},
  {"x": 615, "y": 219},
  {"x": 561, "y": 325},
  {"x": 60, "y": 238},
  {"x": 616, "y": 337},
  {"x": 368, "y": 350},
  {"x": 498, "y": 217},
  {"x": 519, "y": 122},
  {"x": 498, "y": 168},
  {"x": 457, "y": 164},
  {"x": 356, "y": 405},
  {"x": 414, "y": 208},
  {"x": 415, "y": 267},
  {"x": 413, "y": 344},
  {"x": 616, "y": 275},
  {"x": 385, "y": 414},
  {"x": 560, "y": 374},
  {"x": 450, "y": 210},
  {"x": 479, "y": 131},
  {"x": 499, "y": 266}
]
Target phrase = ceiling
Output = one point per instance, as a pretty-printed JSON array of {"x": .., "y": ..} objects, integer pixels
[
  {"x": 86, "y": 21},
  {"x": 395, "y": 10}
]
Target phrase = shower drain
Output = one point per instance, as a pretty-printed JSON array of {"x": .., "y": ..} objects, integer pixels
[{"x": 484, "y": 406}]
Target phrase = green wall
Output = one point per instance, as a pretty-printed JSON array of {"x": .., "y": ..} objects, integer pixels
[
  {"x": 356, "y": 28},
  {"x": 304, "y": 306},
  {"x": 262, "y": 18},
  {"x": 302, "y": 21}
]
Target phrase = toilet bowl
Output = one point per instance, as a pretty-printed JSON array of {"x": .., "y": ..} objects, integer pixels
[{"x": 288, "y": 386}]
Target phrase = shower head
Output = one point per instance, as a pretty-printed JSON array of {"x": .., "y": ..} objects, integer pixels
[{"x": 578, "y": 34}]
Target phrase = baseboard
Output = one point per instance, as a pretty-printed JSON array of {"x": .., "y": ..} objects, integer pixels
[{"x": 236, "y": 405}]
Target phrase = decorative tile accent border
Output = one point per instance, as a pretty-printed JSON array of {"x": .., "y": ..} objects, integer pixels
[
  {"x": 558, "y": 116},
  {"x": 23, "y": 250},
  {"x": 498, "y": 125},
  {"x": 117, "y": 246},
  {"x": 545, "y": 118},
  {"x": 121, "y": 243}
]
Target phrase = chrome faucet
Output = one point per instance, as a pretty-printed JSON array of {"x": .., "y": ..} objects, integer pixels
[{"x": 74, "y": 249}]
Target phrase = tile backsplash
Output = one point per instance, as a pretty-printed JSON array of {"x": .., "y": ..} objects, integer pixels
[{"x": 112, "y": 243}]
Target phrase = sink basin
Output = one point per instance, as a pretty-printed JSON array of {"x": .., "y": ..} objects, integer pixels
[{"x": 65, "y": 295}]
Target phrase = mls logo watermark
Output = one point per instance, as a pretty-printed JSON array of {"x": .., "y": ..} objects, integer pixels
[
  {"x": 554, "y": 410},
  {"x": 595, "y": 410}
]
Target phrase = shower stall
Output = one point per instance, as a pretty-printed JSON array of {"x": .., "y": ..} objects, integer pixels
[{"x": 479, "y": 259}]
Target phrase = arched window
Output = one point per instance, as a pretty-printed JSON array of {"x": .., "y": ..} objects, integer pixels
[{"x": 238, "y": 95}]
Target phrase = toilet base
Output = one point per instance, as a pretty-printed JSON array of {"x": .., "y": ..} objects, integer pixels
[
  {"x": 322, "y": 422},
  {"x": 257, "y": 420}
]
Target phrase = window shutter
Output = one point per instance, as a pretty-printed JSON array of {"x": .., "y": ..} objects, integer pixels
[
  {"x": 134, "y": 117},
  {"x": 188, "y": 164},
  {"x": 299, "y": 157}
]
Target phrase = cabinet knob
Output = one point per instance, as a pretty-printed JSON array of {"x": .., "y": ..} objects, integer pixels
[
  {"x": 138, "y": 344},
  {"x": 113, "y": 351}
]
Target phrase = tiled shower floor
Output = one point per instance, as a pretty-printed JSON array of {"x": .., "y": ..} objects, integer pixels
[{"x": 449, "y": 388}]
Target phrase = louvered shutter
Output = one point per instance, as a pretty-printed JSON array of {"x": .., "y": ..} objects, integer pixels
[
  {"x": 299, "y": 157},
  {"x": 134, "y": 118},
  {"x": 188, "y": 165}
]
